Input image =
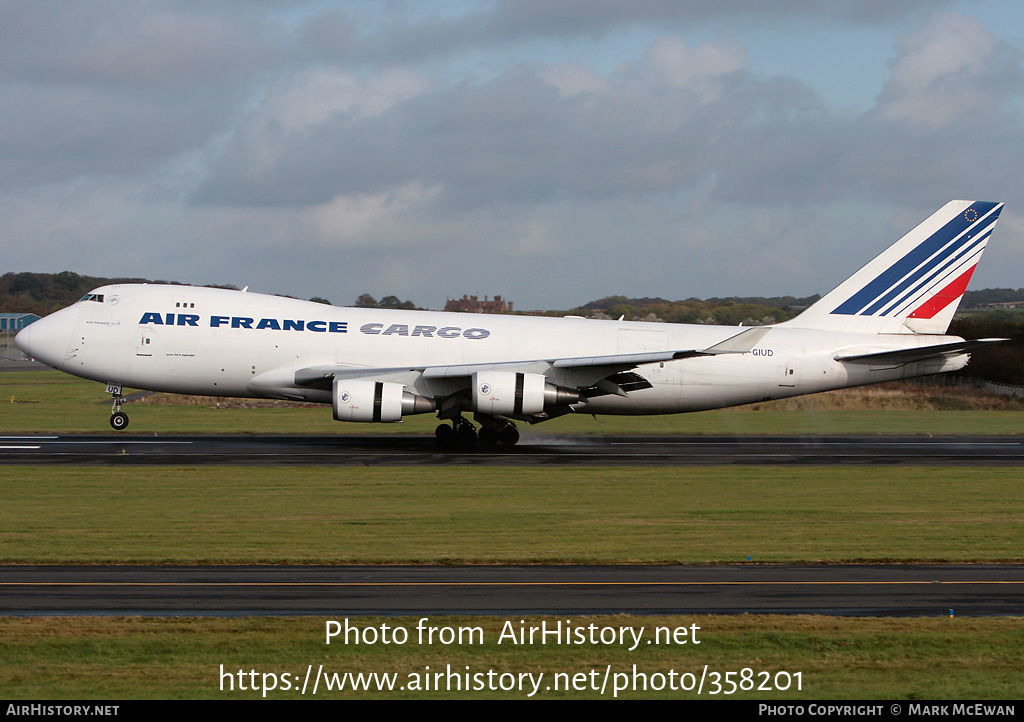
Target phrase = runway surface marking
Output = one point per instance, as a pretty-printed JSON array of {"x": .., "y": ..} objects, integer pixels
[
  {"x": 582, "y": 440},
  {"x": 821, "y": 442},
  {"x": 47, "y": 440},
  {"x": 356, "y": 590},
  {"x": 487, "y": 584},
  {"x": 400, "y": 450}
]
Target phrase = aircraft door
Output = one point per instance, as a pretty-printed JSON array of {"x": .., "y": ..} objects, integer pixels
[
  {"x": 790, "y": 375},
  {"x": 144, "y": 347}
]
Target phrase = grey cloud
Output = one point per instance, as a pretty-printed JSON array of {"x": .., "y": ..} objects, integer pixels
[
  {"x": 128, "y": 43},
  {"x": 536, "y": 183},
  {"x": 332, "y": 34},
  {"x": 669, "y": 121},
  {"x": 115, "y": 86},
  {"x": 518, "y": 139},
  {"x": 727, "y": 162},
  {"x": 574, "y": 16},
  {"x": 948, "y": 120},
  {"x": 48, "y": 137},
  {"x": 950, "y": 70}
]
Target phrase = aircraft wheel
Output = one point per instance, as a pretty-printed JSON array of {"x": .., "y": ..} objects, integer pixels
[
  {"x": 509, "y": 436},
  {"x": 487, "y": 436},
  {"x": 467, "y": 437},
  {"x": 119, "y": 421},
  {"x": 445, "y": 435}
]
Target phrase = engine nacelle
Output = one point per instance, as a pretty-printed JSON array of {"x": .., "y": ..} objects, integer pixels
[
  {"x": 369, "y": 401},
  {"x": 508, "y": 393}
]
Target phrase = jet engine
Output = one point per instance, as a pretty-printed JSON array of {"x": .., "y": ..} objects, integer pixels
[
  {"x": 367, "y": 400},
  {"x": 508, "y": 393}
]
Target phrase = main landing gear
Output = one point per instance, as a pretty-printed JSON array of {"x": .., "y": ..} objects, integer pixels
[
  {"x": 118, "y": 418},
  {"x": 461, "y": 433}
]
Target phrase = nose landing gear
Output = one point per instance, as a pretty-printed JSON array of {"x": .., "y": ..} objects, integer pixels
[{"x": 118, "y": 419}]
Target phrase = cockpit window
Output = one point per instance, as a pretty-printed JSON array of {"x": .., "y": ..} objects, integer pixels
[{"x": 98, "y": 297}]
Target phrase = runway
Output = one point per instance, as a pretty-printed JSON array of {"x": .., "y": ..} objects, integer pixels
[
  {"x": 399, "y": 450},
  {"x": 853, "y": 590},
  {"x": 848, "y": 590}
]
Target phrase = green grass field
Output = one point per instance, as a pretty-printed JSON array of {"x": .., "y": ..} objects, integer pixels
[
  {"x": 859, "y": 659},
  {"x": 52, "y": 402},
  {"x": 434, "y": 515},
  {"x": 606, "y": 515},
  {"x": 539, "y": 515}
]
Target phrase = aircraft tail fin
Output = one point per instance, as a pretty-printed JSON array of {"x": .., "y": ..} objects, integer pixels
[{"x": 916, "y": 284}]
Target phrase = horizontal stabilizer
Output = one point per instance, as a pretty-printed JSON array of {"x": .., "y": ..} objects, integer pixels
[{"x": 920, "y": 353}]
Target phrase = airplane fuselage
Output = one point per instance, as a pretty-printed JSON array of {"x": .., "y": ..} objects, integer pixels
[{"x": 192, "y": 340}]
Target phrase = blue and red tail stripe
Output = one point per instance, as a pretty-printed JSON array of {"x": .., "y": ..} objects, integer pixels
[
  {"x": 968, "y": 256},
  {"x": 946, "y": 296},
  {"x": 949, "y": 249}
]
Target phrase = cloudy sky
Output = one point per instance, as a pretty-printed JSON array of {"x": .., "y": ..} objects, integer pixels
[{"x": 551, "y": 151}]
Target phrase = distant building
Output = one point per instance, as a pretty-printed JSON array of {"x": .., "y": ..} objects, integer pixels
[
  {"x": 1007, "y": 304},
  {"x": 473, "y": 304},
  {"x": 14, "y": 322},
  {"x": 10, "y": 324}
]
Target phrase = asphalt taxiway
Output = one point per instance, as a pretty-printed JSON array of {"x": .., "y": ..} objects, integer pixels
[
  {"x": 400, "y": 450},
  {"x": 850, "y": 590}
]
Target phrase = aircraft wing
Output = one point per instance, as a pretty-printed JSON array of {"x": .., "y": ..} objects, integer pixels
[
  {"x": 584, "y": 371},
  {"x": 740, "y": 343},
  {"x": 920, "y": 353}
]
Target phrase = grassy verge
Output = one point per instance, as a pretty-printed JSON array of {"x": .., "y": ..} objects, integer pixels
[
  {"x": 879, "y": 659},
  {"x": 607, "y": 515},
  {"x": 508, "y": 515},
  {"x": 52, "y": 402}
]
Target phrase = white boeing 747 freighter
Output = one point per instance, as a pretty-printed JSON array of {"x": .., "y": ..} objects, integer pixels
[{"x": 888, "y": 321}]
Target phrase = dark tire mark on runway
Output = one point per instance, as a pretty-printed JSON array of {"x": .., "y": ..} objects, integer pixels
[{"x": 397, "y": 450}]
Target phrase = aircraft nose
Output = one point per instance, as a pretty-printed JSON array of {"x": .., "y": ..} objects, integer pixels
[
  {"x": 24, "y": 339},
  {"x": 47, "y": 339}
]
